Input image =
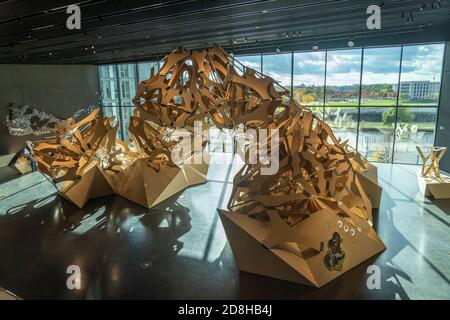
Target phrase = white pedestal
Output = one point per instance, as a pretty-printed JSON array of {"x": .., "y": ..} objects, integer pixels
[{"x": 438, "y": 187}]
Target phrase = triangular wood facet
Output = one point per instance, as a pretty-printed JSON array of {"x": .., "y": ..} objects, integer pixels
[{"x": 290, "y": 263}]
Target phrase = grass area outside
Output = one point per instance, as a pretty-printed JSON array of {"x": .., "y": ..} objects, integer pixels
[
  {"x": 373, "y": 103},
  {"x": 372, "y": 126}
]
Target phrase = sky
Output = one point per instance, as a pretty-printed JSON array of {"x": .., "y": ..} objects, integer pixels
[{"x": 381, "y": 65}]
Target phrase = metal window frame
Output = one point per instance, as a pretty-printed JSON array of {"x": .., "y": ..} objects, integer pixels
[{"x": 397, "y": 105}]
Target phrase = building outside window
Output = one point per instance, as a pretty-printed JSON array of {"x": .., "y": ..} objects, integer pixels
[{"x": 383, "y": 101}]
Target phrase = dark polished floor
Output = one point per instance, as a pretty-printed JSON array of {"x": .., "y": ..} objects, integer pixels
[{"x": 179, "y": 250}]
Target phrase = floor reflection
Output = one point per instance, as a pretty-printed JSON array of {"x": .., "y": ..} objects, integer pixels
[{"x": 178, "y": 250}]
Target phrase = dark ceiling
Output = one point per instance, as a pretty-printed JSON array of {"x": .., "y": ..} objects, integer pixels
[{"x": 119, "y": 30}]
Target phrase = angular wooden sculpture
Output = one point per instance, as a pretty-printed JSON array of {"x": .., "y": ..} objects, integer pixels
[
  {"x": 89, "y": 162},
  {"x": 430, "y": 179},
  {"x": 309, "y": 222},
  {"x": 430, "y": 162}
]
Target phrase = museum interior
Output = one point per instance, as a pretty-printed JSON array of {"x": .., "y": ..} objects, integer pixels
[{"x": 215, "y": 150}]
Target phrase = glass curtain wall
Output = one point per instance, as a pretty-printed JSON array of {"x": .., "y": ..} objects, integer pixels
[
  {"x": 118, "y": 85},
  {"x": 383, "y": 101}
]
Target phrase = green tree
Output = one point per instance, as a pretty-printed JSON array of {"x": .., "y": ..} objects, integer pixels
[{"x": 404, "y": 115}]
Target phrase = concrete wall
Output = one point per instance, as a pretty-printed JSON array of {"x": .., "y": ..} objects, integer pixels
[
  {"x": 58, "y": 89},
  {"x": 443, "y": 127}
]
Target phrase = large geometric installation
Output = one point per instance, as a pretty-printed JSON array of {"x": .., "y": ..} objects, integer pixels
[
  {"x": 308, "y": 222},
  {"x": 90, "y": 162},
  {"x": 192, "y": 85},
  {"x": 77, "y": 155}
]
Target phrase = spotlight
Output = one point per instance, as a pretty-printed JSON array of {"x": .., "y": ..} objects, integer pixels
[
  {"x": 350, "y": 43},
  {"x": 315, "y": 46},
  {"x": 50, "y": 53},
  {"x": 278, "y": 49},
  {"x": 287, "y": 34},
  {"x": 423, "y": 7}
]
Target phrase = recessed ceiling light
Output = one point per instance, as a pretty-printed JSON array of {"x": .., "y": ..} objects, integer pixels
[
  {"x": 350, "y": 43},
  {"x": 265, "y": 11},
  {"x": 315, "y": 46}
]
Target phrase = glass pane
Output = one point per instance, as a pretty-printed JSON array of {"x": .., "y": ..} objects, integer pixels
[
  {"x": 309, "y": 78},
  {"x": 381, "y": 67},
  {"x": 228, "y": 141},
  {"x": 253, "y": 62},
  {"x": 144, "y": 69},
  {"x": 376, "y": 133},
  {"x": 415, "y": 126},
  {"x": 343, "y": 77},
  {"x": 127, "y": 112},
  {"x": 421, "y": 75},
  {"x": 108, "y": 85},
  {"x": 318, "y": 111},
  {"x": 113, "y": 112},
  {"x": 343, "y": 122},
  {"x": 278, "y": 67},
  {"x": 127, "y": 82}
]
